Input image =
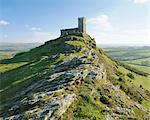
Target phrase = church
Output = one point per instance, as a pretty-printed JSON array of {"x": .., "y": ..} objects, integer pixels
[{"x": 81, "y": 29}]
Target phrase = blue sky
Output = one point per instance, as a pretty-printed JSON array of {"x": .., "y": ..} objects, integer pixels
[{"x": 108, "y": 21}]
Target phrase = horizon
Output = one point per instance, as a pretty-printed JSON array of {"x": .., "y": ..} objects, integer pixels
[
  {"x": 101, "y": 45},
  {"x": 118, "y": 22}
]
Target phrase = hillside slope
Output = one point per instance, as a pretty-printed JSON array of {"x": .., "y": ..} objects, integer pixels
[{"x": 69, "y": 78}]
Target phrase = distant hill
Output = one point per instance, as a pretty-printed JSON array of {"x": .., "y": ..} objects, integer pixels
[
  {"x": 10, "y": 49},
  {"x": 136, "y": 56},
  {"x": 70, "y": 78},
  {"x": 17, "y": 46}
]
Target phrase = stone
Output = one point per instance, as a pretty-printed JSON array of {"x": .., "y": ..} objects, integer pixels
[
  {"x": 14, "y": 108},
  {"x": 92, "y": 75},
  {"x": 15, "y": 117},
  {"x": 124, "y": 111},
  {"x": 108, "y": 117}
]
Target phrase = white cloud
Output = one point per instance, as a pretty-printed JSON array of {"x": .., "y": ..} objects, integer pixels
[
  {"x": 129, "y": 36},
  {"x": 27, "y": 26},
  {"x": 32, "y": 28},
  {"x": 4, "y": 22},
  {"x": 39, "y": 33},
  {"x": 42, "y": 36},
  {"x": 101, "y": 29},
  {"x": 140, "y": 1},
  {"x": 35, "y": 28},
  {"x": 101, "y": 21},
  {"x": 5, "y": 36}
]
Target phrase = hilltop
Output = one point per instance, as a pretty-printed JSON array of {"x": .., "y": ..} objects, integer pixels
[{"x": 70, "y": 78}]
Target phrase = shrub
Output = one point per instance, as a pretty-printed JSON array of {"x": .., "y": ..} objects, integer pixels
[
  {"x": 118, "y": 73},
  {"x": 130, "y": 75},
  {"x": 121, "y": 78},
  {"x": 104, "y": 99},
  {"x": 141, "y": 86}
]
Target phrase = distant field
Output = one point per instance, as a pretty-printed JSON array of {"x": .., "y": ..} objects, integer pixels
[
  {"x": 138, "y": 61},
  {"x": 128, "y": 53},
  {"x": 142, "y": 68},
  {"x": 6, "y": 55},
  {"x": 8, "y": 50},
  {"x": 142, "y": 62},
  {"x": 136, "y": 57}
]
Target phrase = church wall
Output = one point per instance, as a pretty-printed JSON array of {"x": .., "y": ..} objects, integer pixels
[{"x": 70, "y": 31}]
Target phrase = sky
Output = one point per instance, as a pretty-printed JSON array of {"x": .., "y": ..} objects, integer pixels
[{"x": 108, "y": 21}]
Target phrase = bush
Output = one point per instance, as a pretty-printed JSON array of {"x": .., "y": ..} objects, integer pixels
[
  {"x": 130, "y": 75},
  {"x": 141, "y": 86},
  {"x": 120, "y": 79},
  {"x": 118, "y": 73},
  {"x": 104, "y": 99}
]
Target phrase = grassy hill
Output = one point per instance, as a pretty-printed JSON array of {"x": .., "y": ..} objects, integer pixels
[{"x": 69, "y": 78}]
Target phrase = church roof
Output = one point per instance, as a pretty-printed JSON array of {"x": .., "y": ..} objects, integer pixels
[{"x": 70, "y": 29}]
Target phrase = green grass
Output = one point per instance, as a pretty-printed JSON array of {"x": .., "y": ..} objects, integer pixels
[
  {"x": 144, "y": 81},
  {"x": 138, "y": 61},
  {"x": 16, "y": 87},
  {"x": 142, "y": 68},
  {"x": 133, "y": 56},
  {"x": 144, "y": 52},
  {"x": 75, "y": 43},
  {"x": 138, "y": 79},
  {"x": 27, "y": 68},
  {"x": 146, "y": 104},
  {"x": 24, "y": 76},
  {"x": 4, "y": 57},
  {"x": 140, "y": 64},
  {"x": 128, "y": 53},
  {"x": 86, "y": 107},
  {"x": 8, "y": 67},
  {"x": 116, "y": 53}
]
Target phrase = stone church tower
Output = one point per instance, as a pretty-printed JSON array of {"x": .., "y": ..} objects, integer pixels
[{"x": 82, "y": 24}]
